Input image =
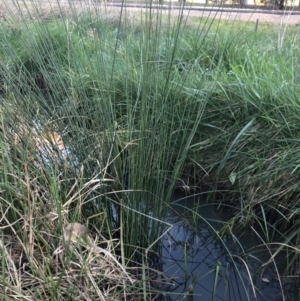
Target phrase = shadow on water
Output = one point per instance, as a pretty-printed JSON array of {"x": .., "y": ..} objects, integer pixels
[{"x": 203, "y": 267}]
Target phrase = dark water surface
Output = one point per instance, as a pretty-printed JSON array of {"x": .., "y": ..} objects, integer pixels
[{"x": 199, "y": 263}]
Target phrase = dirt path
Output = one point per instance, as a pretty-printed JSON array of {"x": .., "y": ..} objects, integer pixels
[
  {"x": 250, "y": 16},
  {"x": 263, "y": 16},
  {"x": 273, "y": 17}
]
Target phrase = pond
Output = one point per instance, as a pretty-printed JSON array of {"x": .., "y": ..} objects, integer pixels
[{"x": 203, "y": 267}]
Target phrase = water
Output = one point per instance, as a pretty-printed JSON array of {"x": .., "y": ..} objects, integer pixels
[{"x": 200, "y": 267}]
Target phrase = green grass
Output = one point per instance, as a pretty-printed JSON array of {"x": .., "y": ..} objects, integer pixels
[{"x": 144, "y": 103}]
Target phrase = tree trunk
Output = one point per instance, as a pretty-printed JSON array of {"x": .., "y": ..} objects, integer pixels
[{"x": 281, "y": 4}]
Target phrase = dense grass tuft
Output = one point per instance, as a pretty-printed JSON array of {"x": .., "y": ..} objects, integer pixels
[{"x": 105, "y": 112}]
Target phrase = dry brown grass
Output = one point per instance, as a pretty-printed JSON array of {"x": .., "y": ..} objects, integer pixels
[
  {"x": 38, "y": 262},
  {"x": 32, "y": 270}
]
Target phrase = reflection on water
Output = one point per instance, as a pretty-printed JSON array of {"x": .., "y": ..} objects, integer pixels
[{"x": 201, "y": 268}]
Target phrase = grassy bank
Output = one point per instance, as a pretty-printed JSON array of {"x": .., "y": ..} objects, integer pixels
[{"x": 105, "y": 113}]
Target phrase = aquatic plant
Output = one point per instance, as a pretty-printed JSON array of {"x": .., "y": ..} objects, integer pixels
[
  {"x": 109, "y": 84},
  {"x": 144, "y": 102}
]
